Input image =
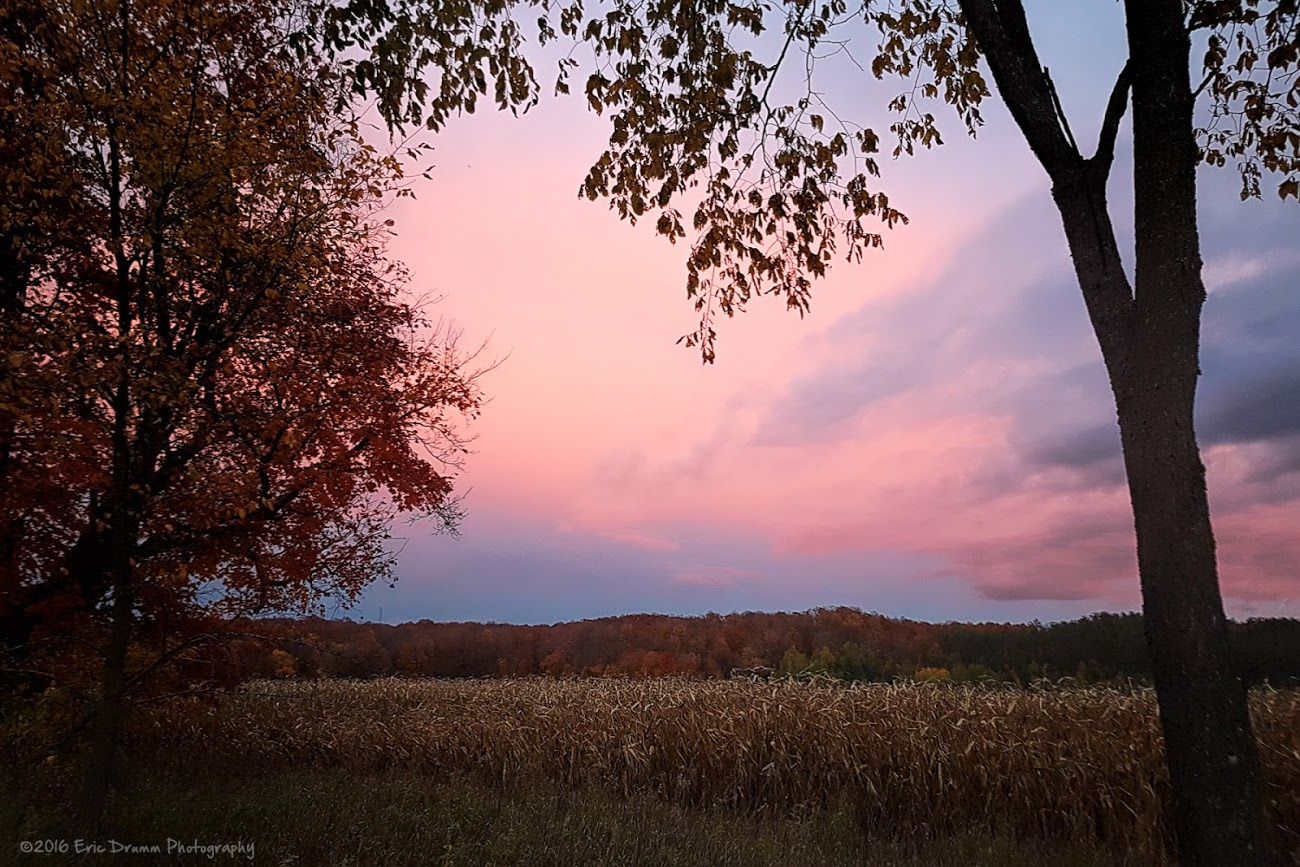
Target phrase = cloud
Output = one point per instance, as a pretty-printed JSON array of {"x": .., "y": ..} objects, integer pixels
[
  {"x": 1225, "y": 271},
  {"x": 1079, "y": 449},
  {"x": 1251, "y": 358},
  {"x": 640, "y": 539},
  {"x": 946, "y": 447},
  {"x": 1004, "y": 337},
  {"x": 1259, "y": 555},
  {"x": 1263, "y": 408},
  {"x": 714, "y": 576},
  {"x": 988, "y": 320}
]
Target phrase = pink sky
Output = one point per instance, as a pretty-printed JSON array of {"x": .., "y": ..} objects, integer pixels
[{"x": 935, "y": 440}]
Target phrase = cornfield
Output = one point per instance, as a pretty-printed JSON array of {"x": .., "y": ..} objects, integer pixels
[{"x": 911, "y": 759}]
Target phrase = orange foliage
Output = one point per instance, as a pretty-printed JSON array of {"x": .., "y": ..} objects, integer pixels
[{"x": 214, "y": 395}]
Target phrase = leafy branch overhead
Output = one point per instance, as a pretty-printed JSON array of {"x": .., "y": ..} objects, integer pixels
[
  {"x": 774, "y": 188},
  {"x": 1252, "y": 78},
  {"x": 782, "y": 186}
]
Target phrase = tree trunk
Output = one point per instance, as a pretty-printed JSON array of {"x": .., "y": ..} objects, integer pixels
[
  {"x": 1218, "y": 802},
  {"x": 108, "y": 720},
  {"x": 1219, "y": 805},
  {"x": 124, "y": 529},
  {"x": 1151, "y": 351},
  {"x": 1149, "y": 336}
]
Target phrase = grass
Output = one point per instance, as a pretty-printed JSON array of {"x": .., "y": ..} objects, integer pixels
[{"x": 334, "y": 817}]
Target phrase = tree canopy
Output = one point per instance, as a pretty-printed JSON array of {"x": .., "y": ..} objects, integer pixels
[
  {"x": 767, "y": 192},
  {"x": 215, "y": 392}
]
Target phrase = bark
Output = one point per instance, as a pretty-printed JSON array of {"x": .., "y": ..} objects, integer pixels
[
  {"x": 108, "y": 718},
  {"x": 1219, "y": 804},
  {"x": 1149, "y": 336}
]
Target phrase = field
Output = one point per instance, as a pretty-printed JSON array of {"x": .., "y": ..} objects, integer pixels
[{"x": 809, "y": 773}]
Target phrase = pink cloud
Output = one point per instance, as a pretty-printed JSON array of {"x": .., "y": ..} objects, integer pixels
[
  {"x": 896, "y": 418},
  {"x": 639, "y": 539},
  {"x": 714, "y": 576},
  {"x": 1259, "y": 552}
]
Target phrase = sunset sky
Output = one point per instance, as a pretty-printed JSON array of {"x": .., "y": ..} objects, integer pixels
[{"x": 936, "y": 440}]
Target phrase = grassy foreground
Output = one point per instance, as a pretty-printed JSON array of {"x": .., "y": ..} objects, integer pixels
[
  {"x": 654, "y": 772},
  {"x": 336, "y": 817}
]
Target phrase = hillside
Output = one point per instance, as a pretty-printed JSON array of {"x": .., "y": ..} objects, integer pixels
[{"x": 840, "y": 642}]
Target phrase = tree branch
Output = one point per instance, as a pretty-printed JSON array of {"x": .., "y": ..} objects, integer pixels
[
  {"x": 1060, "y": 112},
  {"x": 1115, "y": 109},
  {"x": 1003, "y": 35}
]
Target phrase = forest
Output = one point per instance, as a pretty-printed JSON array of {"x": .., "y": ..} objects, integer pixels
[{"x": 841, "y": 643}]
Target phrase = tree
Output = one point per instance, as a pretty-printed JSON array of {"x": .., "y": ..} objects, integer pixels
[
  {"x": 215, "y": 398},
  {"x": 780, "y": 191}
]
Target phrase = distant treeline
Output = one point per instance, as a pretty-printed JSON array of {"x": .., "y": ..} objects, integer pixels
[{"x": 837, "y": 642}]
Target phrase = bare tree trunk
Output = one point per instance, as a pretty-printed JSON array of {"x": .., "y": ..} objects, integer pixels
[
  {"x": 1219, "y": 805},
  {"x": 1150, "y": 336},
  {"x": 108, "y": 719},
  {"x": 1219, "y": 814}
]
